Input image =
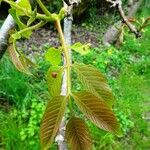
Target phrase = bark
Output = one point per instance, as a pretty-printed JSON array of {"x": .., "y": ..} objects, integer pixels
[{"x": 111, "y": 34}]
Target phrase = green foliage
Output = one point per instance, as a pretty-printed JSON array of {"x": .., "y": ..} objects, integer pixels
[
  {"x": 80, "y": 48},
  {"x": 54, "y": 80},
  {"x": 25, "y": 4},
  {"x": 53, "y": 55},
  {"x": 14, "y": 86}
]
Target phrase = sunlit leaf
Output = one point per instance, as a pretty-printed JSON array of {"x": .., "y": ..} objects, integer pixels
[
  {"x": 77, "y": 135},
  {"x": 16, "y": 36},
  {"x": 94, "y": 81},
  {"x": 83, "y": 49},
  {"x": 21, "y": 25},
  {"x": 51, "y": 120},
  {"x": 54, "y": 80},
  {"x": 25, "y": 4},
  {"x": 17, "y": 19},
  {"x": 97, "y": 111},
  {"x": 17, "y": 60},
  {"x": 53, "y": 55},
  {"x": 32, "y": 18}
]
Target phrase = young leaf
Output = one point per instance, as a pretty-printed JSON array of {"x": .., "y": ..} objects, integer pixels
[
  {"x": 17, "y": 60},
  {"x": 83, "y": 49},
  {"x": 77, "y": 135},
  {"x": 17, "y": 19},
  {"x": 51, "y": 120},
  {"x": 26, "y": 5},
  {"x": 94, "y": 82},
  {"x": 97, "y": 111},
  {"x": 54, "y": 78},
  {"x": 20, "y": 23},
  {"x": 53, "y": 55},
  {"x": 16, "y": 36},
  {"x": 32, "y": 18}
]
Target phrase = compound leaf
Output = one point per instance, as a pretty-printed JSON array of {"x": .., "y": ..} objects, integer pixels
[
  {"x": 51, "y": 120},
  {"x": 97, "y": 111},
  {"x": 94, "y": 82},
  {"x": 77, "y": 135}
]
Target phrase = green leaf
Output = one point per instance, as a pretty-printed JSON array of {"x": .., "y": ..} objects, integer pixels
[
  {"x": 53, "y": 55},
  {"x": 97, "y": 111},
  {"x": 51, "y": 120},
  {"x": 54, "y": 80},
  {"x": 62, "y": 13},
  {"x": 32, "y": 18},
  {"x": 16, "y": 36},
  {"x": 26, "y": 5},
  {"x": 94, "y": 82},
  {"x": 77, "y": 135},
  {"x": 17, "y": 60},
  {"x": 27, "y": 62},
  {"x": 83, "y": 49},
  {"x": 20, "y": 23},
  {"x": 17, "y": 19}
]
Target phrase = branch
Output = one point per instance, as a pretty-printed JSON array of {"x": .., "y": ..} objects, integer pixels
[
  {"x": 66, "y": 82},
  {"x": 118, "y": 4}
]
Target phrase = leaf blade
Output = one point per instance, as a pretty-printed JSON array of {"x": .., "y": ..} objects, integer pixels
[
  {"x": 97, "y": 111},
  {"x": 77, "y": 135},
  {"x": 17, "y": 60},
  {"x": 94, "y": 82},
  {"x": 54, "y": 83},
  {"x": 53, "y": 55},
  {"x": 83, "y": 49},
  {"x": 51, "y": 120}
]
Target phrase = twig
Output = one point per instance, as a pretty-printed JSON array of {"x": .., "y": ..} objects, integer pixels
[{"x": 118, "y": 4}]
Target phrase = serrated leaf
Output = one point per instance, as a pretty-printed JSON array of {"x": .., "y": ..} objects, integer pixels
[
  {"x": 51, "y": 120},
  {"x": 83, "y": 49},
  {"x": 77, "y": 135},
  {"x": 17, "y": 60},
  {"x": 53, "y": 55},
  {"x": 54, "y": 80},
  {"x": 97, "y": 111},
  {"x": 94, "y": 82},
  {"x": 26, "y": 5}
]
